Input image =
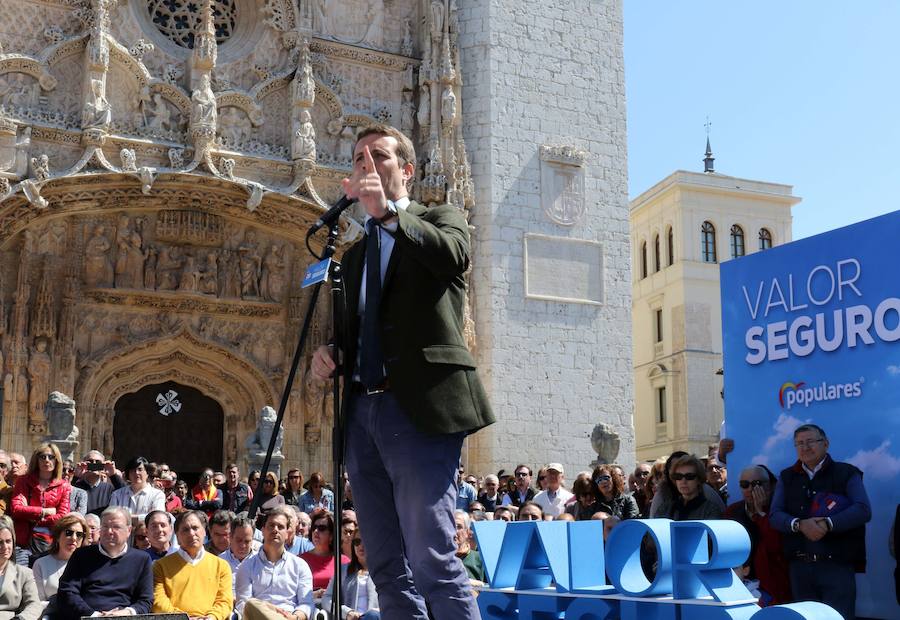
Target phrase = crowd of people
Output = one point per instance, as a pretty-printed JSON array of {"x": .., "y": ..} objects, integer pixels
[{"x": 86, "y": 538}]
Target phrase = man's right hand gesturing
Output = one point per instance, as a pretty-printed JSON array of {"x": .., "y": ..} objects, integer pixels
[{"x": 322, "y": 365}]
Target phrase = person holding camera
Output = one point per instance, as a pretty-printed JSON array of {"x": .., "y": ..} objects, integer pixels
[
  {"x": 766, "y": 562},
  {"x": 90, "y": 478}
]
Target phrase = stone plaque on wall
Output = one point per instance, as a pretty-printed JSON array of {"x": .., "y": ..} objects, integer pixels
[{"x": 561, "y": 269}]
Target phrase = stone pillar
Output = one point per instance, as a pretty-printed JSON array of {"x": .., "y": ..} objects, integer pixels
[{"x": 551, "y": 266}]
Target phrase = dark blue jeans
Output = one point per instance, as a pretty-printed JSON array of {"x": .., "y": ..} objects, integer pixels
[
  {"x": 832, "y": 583},
  {"x": 404, "y": 493}
]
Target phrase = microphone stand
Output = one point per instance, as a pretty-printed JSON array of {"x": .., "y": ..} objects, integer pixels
[{"x": 337, "y": 305}]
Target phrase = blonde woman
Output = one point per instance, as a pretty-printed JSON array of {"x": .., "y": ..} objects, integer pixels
[{"x": 18, "y": 593}]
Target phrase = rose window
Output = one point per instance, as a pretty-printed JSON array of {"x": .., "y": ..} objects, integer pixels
[{"x": 179, "y": 20}]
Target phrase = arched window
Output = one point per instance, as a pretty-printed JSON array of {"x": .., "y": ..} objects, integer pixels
[
  {"x": 708, "y": 243},
  {"x": 643, "y": 260},
  {"x": 737, "y": 241},
  {"x": 670, "y": 246},
  {"x": 765, "y": 239},
  {"x": 657, "y": 259}
]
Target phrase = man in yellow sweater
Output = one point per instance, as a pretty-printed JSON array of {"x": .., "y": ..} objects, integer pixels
[{"x": 192, "y": 580}]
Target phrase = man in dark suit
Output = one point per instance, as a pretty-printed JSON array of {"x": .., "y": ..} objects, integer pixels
[{"x": 412, "y": 393}]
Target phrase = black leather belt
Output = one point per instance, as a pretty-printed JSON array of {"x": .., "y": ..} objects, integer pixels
[
  {"x": 812, "y": 557},
  {"x": 358, "y": 388}
]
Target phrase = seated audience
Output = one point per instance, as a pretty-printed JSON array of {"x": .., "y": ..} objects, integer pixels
[
  {"x": 521, "y": 490},
  {"x": 107, "y": 577},
  {"x": 69, "y": 533},
  {"x": 167, "y": 486},
  {"x": 191, "y": 580},
  {"x": 490, "y": 498},
  {"x": 219, "y": 532},
  {"x": 298, "y": 541},
  {"x": 554, "y": 497},
  {"x": 502, "y": 513},
  {"x": 205, "y": 496},
  {"x": 359, "y": 599},
  {"x": 90, "y": 474},
  {"x": 159, "y": 534},
  {"x": 138, "y": 496},
  {"x": 689, "y": 476},
  {"x": 470, "y": 557},
  {"x": 530, "y": 511},
  {"x": 139, "y": 539},
  {"x": 240, "y": 545},
  {"x": 77, "y": 497},
  {"x": 294, "y": 489},
  {"x": 18, "y": 595},
  {"x": 348, "y": 531},
  {"x": 317, "y": 496},
  {"x": 93, "y": 525},
  {"x": 273, "y": 584},
  {"x": 766, "y": 563},
  {"x": 610, "y": 491},
  {"x": 320, "y": 558},
  {"x": 40, "y": 498},
  {"x": 586, "y": 503}
]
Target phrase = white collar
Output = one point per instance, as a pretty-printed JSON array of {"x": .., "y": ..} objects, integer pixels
[
  {"x": 265, "y": 558},
  {"x": 110, "y": 555},
  {"x": 812, "y": 472},
  {"x": 400, "y": 203},
  {"x": 187, "y": 557}
]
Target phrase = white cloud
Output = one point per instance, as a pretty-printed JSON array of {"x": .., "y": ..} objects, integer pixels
[
  {"x": 877, "y": 463},
  {"x": 784, "y": 429},
  {"x": 893, "y": 370}
]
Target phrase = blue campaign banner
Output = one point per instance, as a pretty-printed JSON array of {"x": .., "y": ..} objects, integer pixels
[{"x": 811, "y": 333}]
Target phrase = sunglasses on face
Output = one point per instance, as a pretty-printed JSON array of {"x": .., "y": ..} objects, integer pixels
[
  {"x": 522, "y": 474},
  {"x": 357, "y": 542},
  {"x": 322, "y": 527},
  {"x": 746, "y": 484},
  {"x": 4, "y": 465},
  {"x": 46, "y": 457},
  {"x": 688, "y": 477},
  {"x": 268, "y": 482},
  {"x": 600, "y": 479},
  {"x": 643, "y": 474},
  {"x": 74, "y": 534},
  {"x": 293, "y": 477}
]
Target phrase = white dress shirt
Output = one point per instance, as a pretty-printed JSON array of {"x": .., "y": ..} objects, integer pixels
[
  {"x": 141, "y": 503},
  {"x": 286, "y": 583}
]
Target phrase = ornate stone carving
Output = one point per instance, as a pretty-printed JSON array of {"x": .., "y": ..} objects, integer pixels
[
  {"x": 203, "y": 106},
  {"x": 140, "y": 48},
  {"x": 272, "y": 280},
  {"x": 304, "y": 143},
  {"x": 98, "y": 268},
  {"x": 43, "y": 323},
  {"x": 39, "y": 380},
  {"x": 176, "y": 157},
  {"x": 129, "y": 268},
  {"x": 60, "y": 420},
  {"x": 128, "y": 160},
  {"x": 562, "y": 183},
  {"x": 190, "y": 227},
  {"x": 605, "y": 442},
  {"x": 258, "y": 442},
  {"x": 251, "y": 265},
  {"x": 40, "y": 167}
]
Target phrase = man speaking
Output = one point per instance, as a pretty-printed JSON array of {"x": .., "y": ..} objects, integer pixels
[{"x": 411, "y": 390}]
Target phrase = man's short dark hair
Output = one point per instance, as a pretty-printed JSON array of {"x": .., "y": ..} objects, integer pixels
[
  {"x": 201, "y": 516},
  {"x": 134, "y": 463},
  {"x": 810, "y": 427},
  {"x": 153, "y": 513},
  {"x": 240, "y": 521},
  {"x": 502, "y": 509},
  {"x": 221, "y": 517},
  {"x": 406, "y": 152},
  {"x": 518, "y": 467}
]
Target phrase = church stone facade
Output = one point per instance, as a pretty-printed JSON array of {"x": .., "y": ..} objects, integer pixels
[{"x": 161, "y": 161}]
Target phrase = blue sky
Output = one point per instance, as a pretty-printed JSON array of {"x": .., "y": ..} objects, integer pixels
[{"x": 800, "y": 92}]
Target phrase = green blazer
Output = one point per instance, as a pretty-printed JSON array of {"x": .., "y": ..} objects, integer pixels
[{"x": 430, "y": 370}]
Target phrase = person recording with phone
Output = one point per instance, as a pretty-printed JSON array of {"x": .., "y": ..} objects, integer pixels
[
  {"x": 411, "y": 390},
  {"x": 90, "y": 480}
]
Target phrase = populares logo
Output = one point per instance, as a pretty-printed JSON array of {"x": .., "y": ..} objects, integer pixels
[{"x": 799, "y": 393}]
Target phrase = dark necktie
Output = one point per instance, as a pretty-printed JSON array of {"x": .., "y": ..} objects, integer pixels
[{"x": 371, "y": 371}]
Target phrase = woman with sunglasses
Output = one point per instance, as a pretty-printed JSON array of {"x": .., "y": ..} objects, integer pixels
[
  {"x": 665, "y": 491},
  {"x": 69, "y": 534},
  {"x": 40, "y": 499},
  {"x": 689, "y": 476},
  {"x": 317, "y": 497},
  {"x": 611, "y": 496},
  {"x": 319, "y": 558},
  {"x": 358, "y": 595},
  {"x": 18, "y": 594}
]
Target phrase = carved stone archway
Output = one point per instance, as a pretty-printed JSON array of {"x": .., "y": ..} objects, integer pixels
[{"x": 233, "y": 381}]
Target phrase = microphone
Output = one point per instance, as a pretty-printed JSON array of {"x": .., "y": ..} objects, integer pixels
[{"x": 331, "y": 215}]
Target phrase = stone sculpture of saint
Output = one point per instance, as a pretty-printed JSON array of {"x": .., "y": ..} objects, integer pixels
[
  {"x": 160, "y": 115},
  {"x": 305, "y": 88},
  {"x": 97, "y": 112},
  {"x": 98, "y": 269},
  {"x": 209, "y": 278},
  {"x": 272, "y": 281},
  {"x": 250, "y": 263},
  {"x": 305, "y": 138},
  {"x": 190, "y": 277},
  {"x": 203, "y": 104},
  {"x": 39, "y": 376},
  {"x": 448, "y": 105},
  {"x": 424, "y": 106}
]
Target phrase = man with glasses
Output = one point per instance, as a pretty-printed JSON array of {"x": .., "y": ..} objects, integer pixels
[
  {"x": 821, "y": 507},
  {"x": 109, "y": 578},
  {"x": 717, "y": 476},
  {"x": 524, "y": 491},
  {"x": 98, "y": 491},
  {"x": 490, "y": 497}
]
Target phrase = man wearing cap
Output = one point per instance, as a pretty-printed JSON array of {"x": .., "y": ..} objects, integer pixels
[{"x": 553, "y": 499}]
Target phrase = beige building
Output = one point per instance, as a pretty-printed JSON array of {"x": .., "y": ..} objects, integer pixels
[
  {"x": 161, "y": 161},
  {"x": 681, "y": 229}
]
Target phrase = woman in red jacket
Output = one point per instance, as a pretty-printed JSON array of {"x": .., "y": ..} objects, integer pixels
[{"x": 40, "y": 498}]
